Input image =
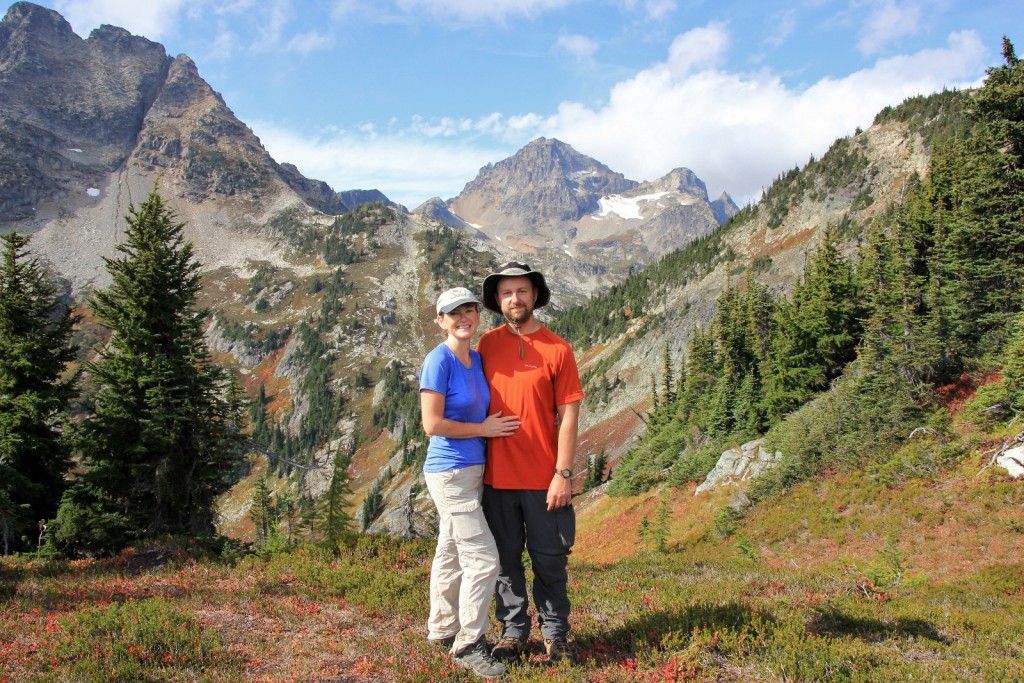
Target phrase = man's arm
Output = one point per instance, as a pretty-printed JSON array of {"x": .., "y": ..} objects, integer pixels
[{"x": 560, "y": 489}]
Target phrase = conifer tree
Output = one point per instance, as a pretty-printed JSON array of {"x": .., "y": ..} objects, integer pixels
[
  {"x": 668, "y": 387},
  {"x": 334, "y": 504},
  {"x": 984, "y": 242},
  {"x": 261, "y": 511},
  {"x": 35, "y": 387},
  {"x": 703, "y": 370},
  {"x": 1013, "y": 365},
  {"x": 162, "y": 439},
  {"x": 595, "y": 471},
  {"x": 815, "y": 335}
]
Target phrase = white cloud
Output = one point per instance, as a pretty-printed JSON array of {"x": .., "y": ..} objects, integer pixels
[
  {"x": 580, "y": 47},
  {"x": 783, "y": 24},
  {"x": 482, "y": 10},
  {"x": 150, "y": 18},
  {"x": 697, "y": 48},
  {"x": 408, "y": 168},
  {"x": 273, "y": 22},
  {"x": 659, "y": 9},
  {"x": 654, "y": 9},
  {"x": 224, "y": 45},
  {"x": 305, "y": 43},
  {"x": 889, "y": 20},
  {"x": 739, "y": 131}
]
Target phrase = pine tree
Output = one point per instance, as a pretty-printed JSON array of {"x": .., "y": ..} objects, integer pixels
[
  {"x": 789, "y": 372},
  {"x": 1013, "y": 365},
  {"x": 815, "y": 335},
  {"x": 984, "y": 242},
  {"x": 703, "y": 372},
  {"x": 333, "y": 506},
  {"x": 261, "y": 511},
  {"x": 35, "y": 387},
  {"x": 668, "y": 387},
  {"x": 162, "y": 439},
  {"x": 595, "y": 471}
]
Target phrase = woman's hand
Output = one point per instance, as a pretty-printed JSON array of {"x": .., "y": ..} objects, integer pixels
[{"x": 496, "y": 425}]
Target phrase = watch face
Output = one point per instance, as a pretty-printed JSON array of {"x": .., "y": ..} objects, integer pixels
[{"x": 565, "y": 473}]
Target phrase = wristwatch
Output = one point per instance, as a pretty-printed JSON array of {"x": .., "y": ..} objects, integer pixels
[{"x": 565, "y": 473}]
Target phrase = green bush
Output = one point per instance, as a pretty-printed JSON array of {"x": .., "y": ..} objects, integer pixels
[{"x": 143, "y": 640}]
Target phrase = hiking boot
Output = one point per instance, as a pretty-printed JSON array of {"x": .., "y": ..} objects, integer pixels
[
  {"x": 558, "y": 650},
  {"x": 477, "y": 658},
  {"x": 509, "y": 648}
]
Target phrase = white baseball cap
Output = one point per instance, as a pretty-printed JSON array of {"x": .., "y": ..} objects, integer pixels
[{"x": 453, "y": 298}]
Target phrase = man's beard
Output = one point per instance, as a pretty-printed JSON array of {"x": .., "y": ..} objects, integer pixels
[{"x": 518, "y": 316}]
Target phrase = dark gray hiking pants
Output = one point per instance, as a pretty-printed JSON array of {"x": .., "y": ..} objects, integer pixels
[{"x": 519, "y": 519}]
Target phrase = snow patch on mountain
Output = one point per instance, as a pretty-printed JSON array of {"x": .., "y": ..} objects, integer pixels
[{"x": 625, "y": 207}]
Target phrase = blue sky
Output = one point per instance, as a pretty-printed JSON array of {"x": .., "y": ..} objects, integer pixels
[{"x": 413, "y": 97}]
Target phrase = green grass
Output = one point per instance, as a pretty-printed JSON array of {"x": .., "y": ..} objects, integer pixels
[{"x": 708, "y": 610}]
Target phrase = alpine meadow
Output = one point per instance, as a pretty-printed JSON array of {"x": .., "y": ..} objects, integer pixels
[{"x": 801, "y": 454}]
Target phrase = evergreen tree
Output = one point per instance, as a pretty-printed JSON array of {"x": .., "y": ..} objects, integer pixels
[
  {"x": 334, "y": 504},
  {"x": 35, "y": 387},
  {"x": 816, "y": 335},
  {"x": 668, "y": 387},
  {"x": 703, "y": 370},
  {"x": 984, "y": 249},
  {"x": 595, "y": 471},
  {"x": 1013, "y": 365},
  {"x": 162, "y": 439},
  {"x": 789, "y": 373},
  {"x": 261, "y": 511},
  {"x": 371, "y": 506}
]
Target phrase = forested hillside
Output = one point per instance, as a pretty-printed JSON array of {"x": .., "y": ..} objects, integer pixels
[{"x": 842, "y": 368}]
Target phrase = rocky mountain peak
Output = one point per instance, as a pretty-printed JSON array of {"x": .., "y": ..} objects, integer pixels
[
  {"x": 45, "y": 26},
  {"x": 74, "y": 111},
  {"x": 681, "y": 180},
  {"x": 528, "y": 198}
]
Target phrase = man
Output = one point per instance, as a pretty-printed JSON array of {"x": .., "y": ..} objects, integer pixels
[{"x": 527, "y": 496}]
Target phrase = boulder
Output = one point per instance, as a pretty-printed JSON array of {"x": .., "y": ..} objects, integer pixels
[
  {"x": 1013, "y": 462},
  {"x": 739, "y": 464}
]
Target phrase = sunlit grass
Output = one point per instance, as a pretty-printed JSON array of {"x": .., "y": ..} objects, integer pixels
[{"x": 702, "y": 612}]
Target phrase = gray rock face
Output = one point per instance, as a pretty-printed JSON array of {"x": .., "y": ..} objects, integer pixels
[
  {"x": 353, "y": 198},
  {"x": 533, "y": 193},
  {"x": 71, "y": 109},
  {"x": 738, "y": 465},
  {"x": 549, "y": 196},
  {"x": 75, "y": 112}
]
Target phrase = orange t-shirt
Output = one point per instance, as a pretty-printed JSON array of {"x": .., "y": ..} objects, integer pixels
[{"x": 531, "y": 387}]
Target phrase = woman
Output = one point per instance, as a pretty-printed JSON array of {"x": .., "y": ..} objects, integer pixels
[{"x": 454, "y": 398}]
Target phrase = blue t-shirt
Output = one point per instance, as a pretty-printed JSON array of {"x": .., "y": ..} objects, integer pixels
[{"x": 466, "y": 399}]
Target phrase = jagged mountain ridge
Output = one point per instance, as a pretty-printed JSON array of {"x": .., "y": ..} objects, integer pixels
[
  {"x": 550, "y": 196},
  {"x": 89, "y": 125},
  {"x": 115, "y": 114}
]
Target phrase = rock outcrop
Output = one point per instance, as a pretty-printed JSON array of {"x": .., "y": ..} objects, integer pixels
[{"x": 738, "y": 465}]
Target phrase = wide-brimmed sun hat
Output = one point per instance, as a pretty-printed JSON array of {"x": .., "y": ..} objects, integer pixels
[
  {"x": 453, "y": 298},
  {"x": 514, "y": 269}
]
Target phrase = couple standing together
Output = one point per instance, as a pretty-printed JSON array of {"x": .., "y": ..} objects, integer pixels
[{"x": 502, "y": 421}]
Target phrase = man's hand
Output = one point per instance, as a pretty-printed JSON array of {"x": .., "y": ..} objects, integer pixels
[{"x": 559, "y": 492}]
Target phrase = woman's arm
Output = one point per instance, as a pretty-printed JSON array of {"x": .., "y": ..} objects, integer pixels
[{"x": 436, "y": 424}]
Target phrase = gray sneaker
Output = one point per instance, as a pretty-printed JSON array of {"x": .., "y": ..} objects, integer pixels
[{"x": 477, "y": 658}]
